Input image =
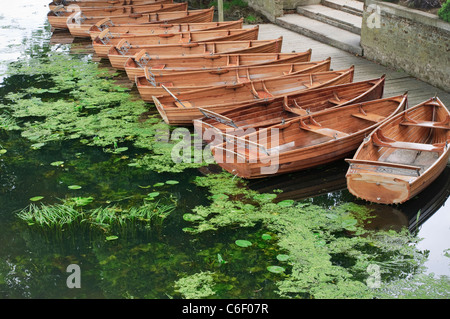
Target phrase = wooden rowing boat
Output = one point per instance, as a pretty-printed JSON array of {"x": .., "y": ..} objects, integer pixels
[
  {"x": 119, "y": 55},
  {"x": 58, "y": 18},
  {"x": 102, "y": 3},
  {"x": 304, "y": 142},
  {"x": 152, "y": 85},
  {"x": 168, "y": 65},
  {"x": 183, "y": 108},
  {"x": 105, "y": 40},
  {"x": 79, "y": 26},
  {"x": 262, "y": 114},
  {"x": 112, "y": 10},
  {"x": 135, "y": 29},
  {"x": 403, "y": 156}
]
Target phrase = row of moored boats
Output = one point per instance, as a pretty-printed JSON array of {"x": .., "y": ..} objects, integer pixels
[{"x": 264, "y": 112}]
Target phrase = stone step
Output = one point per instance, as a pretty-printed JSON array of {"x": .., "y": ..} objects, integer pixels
[
  {"x": 322, "y": 32},
  {"x": 335, "y": 17},
  {"x": 355, "y": 7}
]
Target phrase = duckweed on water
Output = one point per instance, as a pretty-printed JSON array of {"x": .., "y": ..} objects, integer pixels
[
  {"x": 89, "y": 107},
  {"x": 196, "y": 286},
  {"x": 329, "y": 253}
]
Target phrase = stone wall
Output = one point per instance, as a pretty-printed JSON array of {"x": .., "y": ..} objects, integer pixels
[
  {"x": 411, "y": 40},
  {"x": 271, "y": 9}
]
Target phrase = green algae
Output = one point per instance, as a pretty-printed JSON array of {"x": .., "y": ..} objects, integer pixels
[
  {"x": 73, "y": 98},
  {"x": 329, "y": 252},
  {"x": 196, "y": 286}
]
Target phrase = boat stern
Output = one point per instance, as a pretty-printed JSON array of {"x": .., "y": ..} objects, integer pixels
[{"x": 376, "y": 188}]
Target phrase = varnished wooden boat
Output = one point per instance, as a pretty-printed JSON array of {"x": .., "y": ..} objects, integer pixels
[
  {"x": 79, "y": 26},
  {"x": 150, "y": 85},
  {"x": 304, "y": 142},
  {"x": 112, "y": 10},
  {"x": 402, "y": 156},
  {"x": 58, "y": 18},
  {"x": 183, "y": 108},
  {"x": 135, "y": 29},
  {"x": 262, "y": 114},
  {"x": 105, "y": 40},
  {"x": 168, "y": 65},
  {"x": 102, "y": 3},
  {"x": 119, "y": 55}
]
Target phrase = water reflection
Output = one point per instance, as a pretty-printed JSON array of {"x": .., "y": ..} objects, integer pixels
[{"x": 326, "y": 185}]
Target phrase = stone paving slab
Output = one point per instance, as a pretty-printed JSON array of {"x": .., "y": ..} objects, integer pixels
[
  {"x": 338, "y": 18},
  {"x": 322, "y": 31},
  {"x": 354, "y": 5},
  {"x": 397, "y": 81}
]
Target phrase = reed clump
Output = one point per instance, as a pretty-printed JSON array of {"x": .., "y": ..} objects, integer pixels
[{"x": 60, "y": 217}]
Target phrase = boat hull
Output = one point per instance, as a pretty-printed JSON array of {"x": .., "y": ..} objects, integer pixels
[{"x": 205, "y": 50}]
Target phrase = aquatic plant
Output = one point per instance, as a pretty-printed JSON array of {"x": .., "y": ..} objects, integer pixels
[
  {"x": 58, "y": 216},
  {"x": 85, "y": 104},
  {"x": 51, "y": 216},
  {"x": 328, "y": 251},
  {"x": 196, "y": 286}
]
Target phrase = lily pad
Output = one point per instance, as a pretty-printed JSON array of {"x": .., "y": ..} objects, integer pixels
[
  {"x": 74, "y": 187},
  {"x": 134, "y": 164},
  {"x": 57, "y": 163},
  {"x": 153, "y": 194},
  {"x": 158, "y": 185},
  {"x": 3, "y": 151},
  {"x": 37, "y": 146},
  {"x": 266, "y": 237},
  {"x": 172, "y": 182},
  {"x": 276, "y": 269},
  {"x": 112, "y": 237},
  {"x": 282, "y": 257},
  {"x": 243, "y": 243},
  {"x": 36, "y": 198}
]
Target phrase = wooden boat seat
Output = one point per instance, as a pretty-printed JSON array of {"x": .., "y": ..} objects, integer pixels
[
  {"x": 372, "y": 117},
  {"x": 445, "y": 124},
  {"x": 386, "y": 164},
  {"x": 157, "y": 67},
  {"x": 263, "y": 94},
  {"x": 336, "y": 102},
  {"x": 243, "y": 79},
  {"x": 183, "y": 104},
  {"x": 317, "y": 128},
  {"x": 336, "y": 99},
  {"x": 380, "y": 140},
  {"x": 263, "y": 123}
]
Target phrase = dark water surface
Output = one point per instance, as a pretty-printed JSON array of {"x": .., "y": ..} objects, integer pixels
[{"x": 144, "y": 263}]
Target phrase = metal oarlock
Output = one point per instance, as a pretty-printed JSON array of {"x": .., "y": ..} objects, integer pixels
[
  {"x": 105, "y": 37},
  {"x": 106, "y": 25},
  {"x": 143, "y": 61},
  {"x": 124, "y": 48}
]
